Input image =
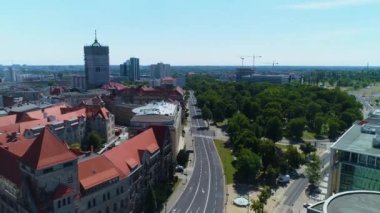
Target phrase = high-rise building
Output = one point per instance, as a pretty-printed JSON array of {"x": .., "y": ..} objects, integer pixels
[
  {"x": 96, "y": 65},
  {"x": 10, "y": 74},
  {"x": 131, "y": 69},
  {"x": 160, "y": 70}
]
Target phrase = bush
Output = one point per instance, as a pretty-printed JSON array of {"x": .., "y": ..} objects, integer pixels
[{"x": 183, "y": 157}]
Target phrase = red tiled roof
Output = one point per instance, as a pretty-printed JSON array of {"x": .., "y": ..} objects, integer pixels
[
  {"x": 62, "y": 191},
  {"x": 10, "y": 128},
  {"x": 10, "y": 155},
  {"x": 126, "y": 154},
  {"x": 47, "y": 150},
  {"x": 7, "y": 120},
  {"x": 113, "y": 85},
  {"x": 95, "y": 171},
  {"x": 37, "y": 114}
]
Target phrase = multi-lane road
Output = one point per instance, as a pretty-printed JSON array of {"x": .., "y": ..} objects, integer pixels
[{"x": 205, "y": 189}]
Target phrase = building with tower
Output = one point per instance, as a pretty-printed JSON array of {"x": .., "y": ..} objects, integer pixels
[
  {"x": 96, "y": 64},
  {"x": 131, "y": 69}
]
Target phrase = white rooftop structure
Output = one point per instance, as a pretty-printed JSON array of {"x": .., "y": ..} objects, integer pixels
[{"x": 157, "y": 108}]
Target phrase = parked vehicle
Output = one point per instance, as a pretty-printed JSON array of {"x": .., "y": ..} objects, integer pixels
[
  {"x": 179, "y": 168},
  {"x": 283, "y": 179}
]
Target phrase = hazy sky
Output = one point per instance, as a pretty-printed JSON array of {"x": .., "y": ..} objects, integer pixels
[{"x": 192, "y": 32}]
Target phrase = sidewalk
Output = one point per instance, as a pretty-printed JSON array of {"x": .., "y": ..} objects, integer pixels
[{"x": 184, "y": 177}]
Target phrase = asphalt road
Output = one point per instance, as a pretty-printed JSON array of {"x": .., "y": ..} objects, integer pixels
[{"x": 205, "y": 190}]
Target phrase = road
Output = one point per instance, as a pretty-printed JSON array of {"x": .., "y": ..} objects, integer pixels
[
  {"x": 205, "y": 189},
  {"x": 291, "y": 202}
]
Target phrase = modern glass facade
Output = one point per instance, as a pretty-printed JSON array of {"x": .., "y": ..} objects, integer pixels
[{"x": 356, "y": 177}]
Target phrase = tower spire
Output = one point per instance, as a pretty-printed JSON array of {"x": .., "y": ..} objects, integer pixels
[{"x": 96, "y": 38}]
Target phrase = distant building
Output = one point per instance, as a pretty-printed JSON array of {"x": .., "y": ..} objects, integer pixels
[
  {"x": 69, "y": 124},
  {"x": 131, "y": 69},
  {"x": 259, "y": 78},
  {"x": 10, "y": 74},
  {"x": 96, "y": 65},
  {"x": 243, "y": 71},
  {"x": 159, "y": 70},
  {"x": 78, "y": 82},
  {"x": 355, "y": 157}
]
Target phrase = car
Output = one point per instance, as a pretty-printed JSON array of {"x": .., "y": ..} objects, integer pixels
[
  {"x": 179, "y": 168},
  {"x": 283, "y": 179},
  {"x": 305, "y": 205},
  {"x": 294, "y": 174}
]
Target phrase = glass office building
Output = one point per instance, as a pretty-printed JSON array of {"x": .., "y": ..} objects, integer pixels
[{"x": 355, "y": 159}]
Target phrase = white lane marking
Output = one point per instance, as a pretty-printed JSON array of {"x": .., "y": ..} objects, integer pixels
[
  {"x": 209, "y": 175},
  {"x": 197, "y": 210},
  {"x": 199, "y": 182}
]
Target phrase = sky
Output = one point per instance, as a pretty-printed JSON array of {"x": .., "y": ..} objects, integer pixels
[{"x": 193, "y": 32}]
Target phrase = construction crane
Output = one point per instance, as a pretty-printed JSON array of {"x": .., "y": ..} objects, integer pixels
[
  {"x": 253, "y": 59},
  {"x": 272, "y": 63}
]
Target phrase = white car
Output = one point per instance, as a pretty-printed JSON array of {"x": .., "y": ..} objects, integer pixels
[{"x": 283, "y": 179}]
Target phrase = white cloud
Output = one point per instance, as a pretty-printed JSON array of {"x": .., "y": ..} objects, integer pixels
[{"x": 329, "y": 4}]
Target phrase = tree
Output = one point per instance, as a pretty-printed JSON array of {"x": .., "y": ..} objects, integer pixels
[
  {"x": 333, "y": 129},
  {"x": 236, "y": 124},
  {"x": 218, "y": 114},
  {"x": 307, "y": 148},
  {"x": 94, "y": 140},
  {"x": 272, "y": 174},
  {"x": 293, "y": 156},
  {"x": 313, "y": 169},
  {"x": 248, "y": 166},
  {"x": 296, "y": 127},
  {"x": 257, "y": 206},
  {"x": 246, "y": 139},
  {"x": 274, "y": 129},
  {"x": 182, "y": 157},
  {"x": 318, "y": 123},
  {"x": 265, "y": 194},
  {"x": 206, "y": 114}
]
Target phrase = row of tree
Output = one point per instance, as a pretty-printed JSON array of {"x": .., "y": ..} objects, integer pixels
[
  {"x": 275, "y": 111},
  {"x": 261, "y": 114}
]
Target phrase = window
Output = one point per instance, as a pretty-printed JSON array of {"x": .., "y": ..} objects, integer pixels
[
  {"x": 362, "y": 159},
  {"x": 64, "y": 202},
  {"x": 108, "y": 196},
  {"x": 70, "y": 179},
  {"x": 59, "y": 203},
  {"x": 122, "y": 189},
  {"x": 354, "y": 157},
  {"x": 89, "y": 205},
  {"x": 93, "y": 202},
  {"x": 371, "y": 161},
  {"x": 97, "y": 69},
  {"x": 68, "y": 200},
  {"x": 378, "y": 162},
  {"x": 115, "y": 207},
  {"x": 117, "y": 191},
  {"x": 104, "y": 197}
]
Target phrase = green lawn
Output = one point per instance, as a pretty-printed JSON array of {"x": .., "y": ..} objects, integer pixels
[
  {"x": 227, "y": 158},
  {"x": 283, "y": 147},
  {"x": 308, "y": 135}
]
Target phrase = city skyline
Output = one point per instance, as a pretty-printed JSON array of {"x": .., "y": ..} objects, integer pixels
[{"x": 292, "y": 32}]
